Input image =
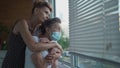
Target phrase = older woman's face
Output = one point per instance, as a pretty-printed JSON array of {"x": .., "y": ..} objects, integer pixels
[{"x": 42, "y": 14}]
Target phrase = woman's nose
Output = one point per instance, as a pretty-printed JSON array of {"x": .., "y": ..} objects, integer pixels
[{"x": 47, "y": 17}]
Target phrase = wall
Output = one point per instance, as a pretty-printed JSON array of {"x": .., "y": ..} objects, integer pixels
[{"x": 11, "y": 10}]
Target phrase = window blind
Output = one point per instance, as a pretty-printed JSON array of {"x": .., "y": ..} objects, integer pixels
[{"x": 94, "y": 28}]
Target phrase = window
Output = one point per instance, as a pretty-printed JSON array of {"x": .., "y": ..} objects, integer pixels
[
  {"x": 94, "y": 28},
  {"x": 62, "y": 11}
]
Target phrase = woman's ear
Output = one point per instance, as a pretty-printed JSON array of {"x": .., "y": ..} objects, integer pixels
[{"x": 36, "y": 10}]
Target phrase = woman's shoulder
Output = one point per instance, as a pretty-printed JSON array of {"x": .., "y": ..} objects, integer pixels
[
  {"x": 20, "y": 24},
  {"x": 21, "y": 21}
]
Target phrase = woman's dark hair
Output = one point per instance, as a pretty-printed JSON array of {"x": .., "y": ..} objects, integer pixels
[
  {"x": 40, "y": 5},
  {"x": 48, "y": 23}
]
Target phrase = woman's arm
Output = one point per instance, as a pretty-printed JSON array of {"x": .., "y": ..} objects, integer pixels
[
  {"x": 38, "y": 61},
  {"x": 22, "y": 28}
]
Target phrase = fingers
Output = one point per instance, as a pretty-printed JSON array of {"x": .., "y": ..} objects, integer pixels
[
  {"x": 49, "y": 57},
  {"x": 60, "y": 47}
]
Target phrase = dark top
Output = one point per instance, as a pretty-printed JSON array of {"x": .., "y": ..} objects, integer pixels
[{"x": 15, "y": 57}]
